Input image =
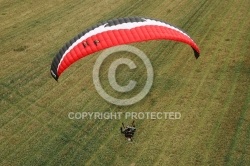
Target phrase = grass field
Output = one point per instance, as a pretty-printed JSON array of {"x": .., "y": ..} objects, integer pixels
[{"x": 211, "y": 93}]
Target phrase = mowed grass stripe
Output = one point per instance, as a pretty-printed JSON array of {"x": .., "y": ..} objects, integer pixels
[
  {"x": 206, "y": 113},
  {"x": 91, "y": 127},
  {"x": 239, "y": 145},
  {"x": 37, "y": 100},
  {"x": 19, "y": 96},
  {"x": 87, "y": 121},
  {"x": 238, "y": 104},
  {"x": 96, "y": 144},
  {"x": 64, "y": 138},
  {"x": 70, "y": 137},
  {"x": 224, "y": 77},
  {"x": 208, "y": 71},
  {"x": 43, "y": 135},
  {"x": 22, "y": 15},
  {"x": 244, "y": 159},
  {"x": 89, "y": 146},
  {"x": 33, "y": 98},
  {"x": 30, "y": 138},
  {"x": 59, "y": 10},
  {"x": 39, "y": 114},
  {"x": 234, "y": 83},
  {"x": 21, "y": 136},
  {"x": 21, "y": 142},
  {"x": 53, "y": 117},
  {"x": 12, "y": 127}
]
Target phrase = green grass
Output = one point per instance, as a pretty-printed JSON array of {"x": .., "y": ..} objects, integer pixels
[{"x": 212, "y": 93}]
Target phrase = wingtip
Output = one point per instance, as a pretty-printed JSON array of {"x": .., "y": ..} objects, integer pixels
[
  {"x": 55, "y": 76},
  {"x": 196, "y": 54}
]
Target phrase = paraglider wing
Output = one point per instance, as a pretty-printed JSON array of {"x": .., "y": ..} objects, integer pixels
[{"x": 116, "y": 32}]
